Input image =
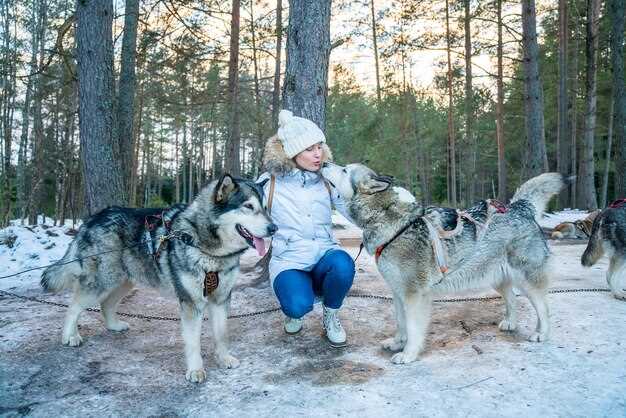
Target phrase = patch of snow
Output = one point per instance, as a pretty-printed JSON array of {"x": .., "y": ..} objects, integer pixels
[
  {"x": 32, "y": 246},
  {"x": 404, "y": 195}
]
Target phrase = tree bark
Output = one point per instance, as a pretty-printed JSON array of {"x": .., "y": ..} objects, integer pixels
[
  {"x": 260, "y": 141},
  {"x": 586, "y": 176},
  {"x": 537, "y": 159},
  {"x": 34, "y": 200},
  {"x": 574, "y": 122},
  {"x": 232, "y": 158},
  {"x": 609, "y": 145},
  {"x": 308, "y": 50},
  {"x": 126, "y": 91},
  {"x": 470, "y": 138},
  {"x": 375, "y": 39},
  {"x": 617, "y": 64},
  {"x": 562, "y": 136},
  {"x": 104, "y": 185},
  {"x": 8, "y": 94},
  {"x": 502, "y": 193},
  {"x": 451, "y": 139},
  {"x": 277, "y": 60}
]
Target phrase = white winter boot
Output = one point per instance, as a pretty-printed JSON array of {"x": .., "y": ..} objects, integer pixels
[
  {"x": 293, "y": 325},
  {"x": 334, "y": 331}
]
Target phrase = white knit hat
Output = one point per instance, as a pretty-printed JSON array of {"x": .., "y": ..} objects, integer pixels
[{"x": 297, "y": 134}]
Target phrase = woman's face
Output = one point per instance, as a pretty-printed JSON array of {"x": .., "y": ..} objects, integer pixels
[{"x": 311, "y": 158}]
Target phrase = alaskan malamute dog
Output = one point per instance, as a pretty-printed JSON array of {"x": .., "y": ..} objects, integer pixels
[
  {"x": 608, "y": 235},
  {"x": 502, "y": 249},
  {"x": 206, "y": 240}
]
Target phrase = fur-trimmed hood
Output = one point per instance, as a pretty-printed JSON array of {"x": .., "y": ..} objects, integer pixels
[{"x": 276, "y": 162}]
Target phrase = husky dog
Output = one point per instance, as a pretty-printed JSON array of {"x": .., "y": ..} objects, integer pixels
[
  {"x": 608, "y": 234},
  {"x": 570, "y": 229},
  {"x": 509, "y": 251},
  {"x": 206, "y": 237}
]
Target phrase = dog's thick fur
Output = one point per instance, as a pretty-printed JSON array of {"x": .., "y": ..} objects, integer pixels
[
  {"x": 213, "y": 245},
  {"x": 509, "y": 251},
  {"x": 608, "y": 235}
]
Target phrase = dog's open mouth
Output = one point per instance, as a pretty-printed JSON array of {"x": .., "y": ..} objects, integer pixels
[{"x": 252, "y": 240}]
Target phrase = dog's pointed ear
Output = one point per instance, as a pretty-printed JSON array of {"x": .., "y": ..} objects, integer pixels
[
  {"x": 373, "y": 185},
  {"x": 225, "y": 186}
]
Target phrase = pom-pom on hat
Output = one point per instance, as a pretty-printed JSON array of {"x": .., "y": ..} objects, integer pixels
[{"x": 297, "y": 134}]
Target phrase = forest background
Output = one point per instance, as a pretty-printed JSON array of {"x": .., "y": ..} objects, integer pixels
[{"x": 141, "y": 102}]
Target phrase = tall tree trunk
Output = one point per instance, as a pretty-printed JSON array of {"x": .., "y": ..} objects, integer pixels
[
  {"x": 260, "y": 141},
  {"x": 470, "y": 138},
  {"x": 277, "y": 60},
  {"x": 176, "y": 168},
  {"x": 502, "y": 193},
  {"x": 375, "y": 39},
  {"x": 609, "y": 145},
  {"x": 104, "y": 185},
  {"x": 586, "y": 177},
  {"x": 126, "y": 91},
  {"x": 22, "y": 197},
  {"x": 8, "y": 106},
  {"x": 190, "y": 160},
  {"x": 574, "y": 121},
  {"x": 562, "y": 136},
  {"x": 232, "y": 164},
  {"x": 537, "y": 159},
  {"x": 37, "y": 176},
  {"x": 136, "y": 147},
  {"x": 617, "y": 64},
  {"x": 451, "y": 139},
  {"x": 308, "y": 50}
]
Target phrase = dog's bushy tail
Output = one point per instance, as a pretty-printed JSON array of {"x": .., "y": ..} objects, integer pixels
[
  {"x": 539, "y": 190},
  {"x": 60, "y": 276}
]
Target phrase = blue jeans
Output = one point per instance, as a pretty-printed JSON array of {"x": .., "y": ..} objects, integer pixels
[{"x": 330, "y": 278}]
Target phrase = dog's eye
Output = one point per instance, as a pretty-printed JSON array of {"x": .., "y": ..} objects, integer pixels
[
  {"x": 248, "y": 206},
  {"x": 345, "y": 171}
]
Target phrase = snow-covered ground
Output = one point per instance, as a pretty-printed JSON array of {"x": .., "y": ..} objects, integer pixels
[{"x": 469, "y": 368}]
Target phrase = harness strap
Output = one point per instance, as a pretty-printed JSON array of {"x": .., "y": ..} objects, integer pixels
[
  {"x": 380, "y": 248},
  {"x": 499, "y": 206},
  {"x": 270, "y": 196},
  {"x": 618, "y": 203}
]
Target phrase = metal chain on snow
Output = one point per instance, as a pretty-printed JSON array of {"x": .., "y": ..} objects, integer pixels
[{"x": 266, "y": 311}]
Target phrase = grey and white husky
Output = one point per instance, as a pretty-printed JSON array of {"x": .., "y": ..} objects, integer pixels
[
  {"x": 489, "y": 249},
  {"x": 608, "y": 235},
  {"x": 206, "y": 237}
]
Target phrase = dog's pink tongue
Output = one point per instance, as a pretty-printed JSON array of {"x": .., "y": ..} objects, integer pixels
[{"x": 259, "y": 245}]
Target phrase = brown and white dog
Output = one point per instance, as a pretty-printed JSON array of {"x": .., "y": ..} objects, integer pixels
[{"x": 571, "y": 229}]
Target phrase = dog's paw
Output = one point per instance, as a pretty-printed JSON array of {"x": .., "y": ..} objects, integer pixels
[
  {"x": 73, "y": 340},
  {"x": 403, "y": 358},
  {"x": 196, "y": 376},
  {"x": 507, "y": 325},
  {"x": 118, "y": 326},
  {"x": 228, "y": 362},
  {"x": 392, "y": 344},
  {"x": 537, "y": 337}
]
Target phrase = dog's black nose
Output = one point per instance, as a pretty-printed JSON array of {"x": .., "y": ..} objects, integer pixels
[{"x": 272, "y": 228}]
